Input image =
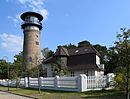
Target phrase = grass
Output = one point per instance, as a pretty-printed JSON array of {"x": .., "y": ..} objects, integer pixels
[{"x": 48, "y": 94}]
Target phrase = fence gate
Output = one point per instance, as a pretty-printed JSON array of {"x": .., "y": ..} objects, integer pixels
[{"x": 94, "y": 82}]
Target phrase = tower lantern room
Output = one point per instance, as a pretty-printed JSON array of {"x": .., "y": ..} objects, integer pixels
[
  {"x": 31, "y": 20},
  {"x": 31, "y": 26}
]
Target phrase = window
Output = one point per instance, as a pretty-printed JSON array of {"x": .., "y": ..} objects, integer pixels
[
  {"x": 53, "y": 74},
  {"x": 76, "y": 51},
  {"x": 36, "y": 20},
  {"x": 86, "y": 73},
  {"x": 37, "y": 36},
  {"x": 27, "y": 19},
  {"x": 31, "y": 19},
  {"x": 72, "y": 74},
  {"x": 52, "y": 69},
  {"x": 85, "y": 49},
  {"x": 37, "y": 43}
]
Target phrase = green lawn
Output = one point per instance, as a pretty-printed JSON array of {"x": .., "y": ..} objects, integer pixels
[{"x": 46, "y": 94}]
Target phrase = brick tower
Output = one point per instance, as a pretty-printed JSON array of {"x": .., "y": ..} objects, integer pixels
[{"x": 31, "y": 47}]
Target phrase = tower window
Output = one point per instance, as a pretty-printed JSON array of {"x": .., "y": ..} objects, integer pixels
[
  {"x": 36, "y": 35},
  {"x": 37, "y": 43}
]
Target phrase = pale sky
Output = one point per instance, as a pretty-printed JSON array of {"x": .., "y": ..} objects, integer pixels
[{"x": 65, "y": 21}]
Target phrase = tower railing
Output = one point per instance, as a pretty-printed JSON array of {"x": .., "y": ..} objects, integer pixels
[{"x": 39, "y": 23}]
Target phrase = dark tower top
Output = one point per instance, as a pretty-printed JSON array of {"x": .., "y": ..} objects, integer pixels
[{"x": 31, "y": 19}]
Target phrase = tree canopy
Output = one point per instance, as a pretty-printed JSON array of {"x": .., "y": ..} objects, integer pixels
[{"x": 4, "y": 69}]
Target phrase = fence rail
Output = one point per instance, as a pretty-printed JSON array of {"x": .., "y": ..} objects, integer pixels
[{"x": 80, "y": 83}]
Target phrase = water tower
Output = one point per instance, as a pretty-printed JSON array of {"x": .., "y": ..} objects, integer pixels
[{"x": 31, "y": 47}]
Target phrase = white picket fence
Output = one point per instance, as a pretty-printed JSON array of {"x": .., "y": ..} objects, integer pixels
[
  {"x": 80, "y": 83},
  {"x": 96, "y": 82}
]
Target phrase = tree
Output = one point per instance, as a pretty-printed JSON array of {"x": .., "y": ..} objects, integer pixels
[
  {"x": 3, "y": 69},
  {"x": 122, "y": 50},
  {"x": 16, "y": 68},
  {"x": 60, "y": 68},
  {"x": 112, "y": 60},
  {"x": 47, "y": 53},
  {"x": 70, "y": 46},
  {"x": 33, "y": 72},
  {"x": 103, "y": 51},
  {"x": 84, "y": 43}
]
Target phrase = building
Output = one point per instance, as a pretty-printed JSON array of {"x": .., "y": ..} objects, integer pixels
[
  {"x": 31, "y": 47},
  {"x": 80, "y": 60}
]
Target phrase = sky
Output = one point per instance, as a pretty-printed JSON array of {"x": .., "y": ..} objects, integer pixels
[{"x": 65, "y": 21}]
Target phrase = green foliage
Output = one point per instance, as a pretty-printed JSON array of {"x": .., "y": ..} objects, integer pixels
[
  {"x": 60, "y": 68},
  {"x": 4, "y": 69},
  {"x": 101, "y": 49},
  {"x": 47, "y": 53},
  {"x": 33, "y": 72},
  {"x": 70, "y": 46},
  {"x": 122, "y": 48},
  {"x": 121, "y": 81},
  {"x": 121, "y": 59},
  {"x": 50, "y": 53},
  {"x": 16, "y": 68},
  {"x": 84, "y": 43}
]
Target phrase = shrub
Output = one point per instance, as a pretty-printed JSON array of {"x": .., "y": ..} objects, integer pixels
[{"x": 120, "y": 81}]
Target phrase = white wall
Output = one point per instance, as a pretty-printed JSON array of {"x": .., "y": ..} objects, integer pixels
[
  {"x": 87, "y": 72},
  {"x": 76, "y": 73},
  {"x": 49, "y": 69},
  {"x": 97, "y": 60},
  {"x": 99, "y": 73}
]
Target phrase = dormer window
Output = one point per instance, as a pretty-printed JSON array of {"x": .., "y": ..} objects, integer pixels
[
  {"x": 85, "y": 50},
  {"x": 76, "y": 51}
]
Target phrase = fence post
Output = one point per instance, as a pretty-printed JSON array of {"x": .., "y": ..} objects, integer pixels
[
  {"x": 26, "y": 82},
  {"x": 110, "y": 77},
  {"x": 56, "y": 81},
  {"x": 82, "y": 83},
  {"x": 40, "y": 82}
]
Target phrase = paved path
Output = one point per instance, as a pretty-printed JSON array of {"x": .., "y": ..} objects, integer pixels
[{"x": 5, "y": 95}]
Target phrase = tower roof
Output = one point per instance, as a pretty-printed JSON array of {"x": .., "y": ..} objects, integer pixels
[{"x": 24, "y": 15}]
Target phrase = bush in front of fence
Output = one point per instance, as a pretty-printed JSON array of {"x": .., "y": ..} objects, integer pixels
[{"x": 120, "y": 81}]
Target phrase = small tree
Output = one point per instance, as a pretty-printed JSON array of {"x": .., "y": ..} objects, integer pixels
[
  {"x": 3, "y": 69},
  {"x": 60, "y": 68},
  {"x": 122, "y": 48},
  {"x": 46, "y": 52}
]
